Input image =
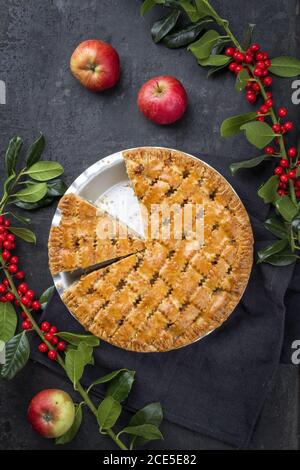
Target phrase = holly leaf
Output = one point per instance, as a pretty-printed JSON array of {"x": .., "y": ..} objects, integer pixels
[
  {"x": 248, "y": 33},
  {"x": 285, "y": 258},
  {"x": 214, "y": 60},
  {"x": 285, "y": 66},
  {"x": 271, "y": 250},
  {"x": 241, "y": 80},
  {"x": 106, "y": 378},
  {"x": 108, "y": 413},
  {"x": 8, "y": 321},
  {"x": 202, "y": 8},
  {"x": 12, "y": 153},
  {"x": 203, "y": 47},
  {"x": 191, "y": 10},
  {"x": 258, "y": 133},
  {"x": 149, "y": 432},
  {"x": 120, "y": 386},
  {"x": 17, "y": 352},
  {"x": 75, "y": 339},
  {"x": 147, "y": 5},
  {"x": 32, "y": 193},
  {"x": 46, "y": 296},
  {"x": 74, "y": 362},
  {"x": 150, "y": 414},
  {"x": 162, "y": 27},
  {"x": 24, "y": 233},
  {"x": 286, "y": 208},
  {"x": 35, "y": 151},
  {"x": 232, "y": 126},
  {"x": 185, "y": 36},
  {"x": 56, "y": 188},
  {"x": 45, "y": 170},
  {"x": 268, "y": 191},
  {"x": 32, "y": 206},
  {"x": 251, "y": 163},
  {"x": 276, "y": 226}
]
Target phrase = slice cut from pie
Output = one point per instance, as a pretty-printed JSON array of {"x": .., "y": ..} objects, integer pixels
[
  {"x": 87, "y": 236},
  {"x": 171, "y": 290}
]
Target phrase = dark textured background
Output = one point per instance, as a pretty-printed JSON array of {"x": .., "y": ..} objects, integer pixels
[{"x": 37, "y": 38}]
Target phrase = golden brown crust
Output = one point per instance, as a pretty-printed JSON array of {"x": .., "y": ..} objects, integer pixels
[
  {"x": 87, "y": 236},
  {"x": 175, "y": 291}
]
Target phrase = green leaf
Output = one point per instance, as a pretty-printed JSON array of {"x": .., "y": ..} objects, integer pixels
[
  {"x": 258, "y": 133},
  {"x": 190, "y": 10},
  {"x": 35, "y": 151},
  {"x": 296, "y": 223},
  {"x": 268, "y": 191},
  {"x": 71, "y": 433},
  {"x": 74, "y": 362},
  {"x": 120, "y": 386},
  {"x": 286, "y": 208},
  {"x": 87, "y": 353},
  {"x": 108, "y": 412},
  {"x": 7, "y": 184},
  {"x": 232, "y": 126},
  {"x": 251, "y": 163},
  {"x": 8, "y": 321},
  {"x": 285, "y": 258},
  {"x": 146, "y": 431},
  {"x": 149, "y": 4},
  {"x": 214, "y": 60},
  {"x": 214, "y": 70},
  {"x": 185, "y": 36},
  {"x": 12, "y": 154},
  {"x": 20, "y": 218},
  {"x": 75, "y": 339},
  {"x": 46, "y": 296},
  {"x": 56, "y": 188},
  {"x": 44, "y": 171},
  {"x": 162, "y": 27},
  {"x": 202, "y": 8},
  {"x": 248, "y": 33},
  {"x": 271, "y": 250},
  {"x": 150, "y": 414},
  {"x": 242, "y": 79},
  {"x": 106, "y": 378},
  {"x": 35, "y": 205},
  {"x": 17, "y": 352},
  {"x": 285, "y": 66},
  {"x": 24, "y": 233},
  {"x": 32, "y": 193},
  {"x": 203, "y": 47},
  {"x": 276, "y": 226}
]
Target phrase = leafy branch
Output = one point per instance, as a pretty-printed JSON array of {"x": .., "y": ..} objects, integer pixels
[{"x": 185, "y": 25}]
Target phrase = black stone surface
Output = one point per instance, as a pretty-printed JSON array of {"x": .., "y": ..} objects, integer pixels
[{"x": 37, "y": 38}]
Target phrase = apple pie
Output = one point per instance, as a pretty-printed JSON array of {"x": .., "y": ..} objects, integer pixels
[{"x": 174, "y": 289}]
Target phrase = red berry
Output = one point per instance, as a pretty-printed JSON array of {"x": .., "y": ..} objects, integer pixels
[
  {"x": 61, "y": 345},
  {"x": 269, "y": 103},
  {"x": 9, "y": 296},
  {"x": 7, "y": 245},
  {"x": 257, "y": 72},
  {"x": 260, "y": 118},
  {"x": 269, "y": 150},
  {"x": 45, "y": 326},
  {"x": 288, "y": 126},
  {"x": 297, "y": 184},
  {"x": 248, "y": 58},
  {"x": 292, "y": 174},
  {"x": 254, "y": 47},
  {"x": 36, "y": 305},
  {"x": 229, "y": 51},
  {"x": 30, "y": 294},
  {"x": 17, "y": 303},
  {"x": 269, "y": 94},
  {"x": 267, "y": 63},
  {"x": 276, "y": 128},
  {"x": 2, "y": 238},
  {"x": 260, "y": 64},
  {"x": 14, "y": 260},
  {"x": 238, "y": 56},
  {"x": 281, "y": 192},
  {"x": 278, "y": 170},
  {"x": 5, "y": 282},
  {"x": 26, "y": 325},
  {"x": 255, "y": 87},
  {"x": 1, "y": 220},
  {"x": 297, "y": 194},
  {"x": 284, "y": 178},
  {"x": 284, "y": 163},
  {"x": 2, "y": 230},
  {"x": 25, "y": 301},
  {"x": 259, "y": 56},
  {"x": 267, "y": 81},
  {"x": 13, "y": 246},
  {"x": 48, "y": 337},
  {"x": 2, "y": 289},
  {"x": 282, "y": 112},
  {"x": 20, "y": 275},
  {"x": 251, "y": 97},
  {"x": 43, "y": 347},
  {"x": 292, "y": 152},
  {"x": 13, "y": 268},
  {"x": 52, "y": 355},
  {"x": 10, "y": 237},
  {"x": 53, "y": 329},
  {"x": 54, "y": 340},
  {"x": 3, "y": 299},
  {"x": 238, "y": 68},
  {"x": 6, "y": 223},
  {"x": 23, "y": 287},
  {"x": 264, "y": 109},
  {"x": 232, "y": 66},
  {"x": 24, "y": 314}
]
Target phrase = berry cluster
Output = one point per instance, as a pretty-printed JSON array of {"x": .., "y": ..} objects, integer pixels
[
  {"x": 257, "y": 64},
  {"x": 49, "y": 332}
]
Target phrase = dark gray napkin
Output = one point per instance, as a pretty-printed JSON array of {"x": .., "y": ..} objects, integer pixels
[{"x": 218, "y": 385}]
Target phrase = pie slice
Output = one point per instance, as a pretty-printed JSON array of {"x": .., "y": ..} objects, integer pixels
[{"x": 87, "y": 236}]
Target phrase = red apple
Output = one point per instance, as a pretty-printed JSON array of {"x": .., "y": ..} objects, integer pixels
[
  {"x": 162, "y": 99},
  {"x": 51, "y": 412},
  {"x": 96, "y": 65}
]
